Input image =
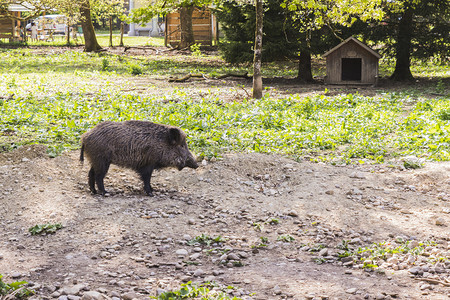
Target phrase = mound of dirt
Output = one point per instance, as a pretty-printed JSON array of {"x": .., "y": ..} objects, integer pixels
[{"x": 268, "y": 226}]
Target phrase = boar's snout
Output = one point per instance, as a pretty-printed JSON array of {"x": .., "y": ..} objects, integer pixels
[
  {"x": 192, "y": 164},
  {"x": 188, "y": 162}
]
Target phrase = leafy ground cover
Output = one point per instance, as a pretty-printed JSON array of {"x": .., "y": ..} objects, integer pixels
[
  {"x": 102, "y": 38},
  {"x": 51, "y": 97}
]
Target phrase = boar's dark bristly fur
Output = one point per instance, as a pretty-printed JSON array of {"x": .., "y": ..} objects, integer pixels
[{"x": 138, "y": 145}]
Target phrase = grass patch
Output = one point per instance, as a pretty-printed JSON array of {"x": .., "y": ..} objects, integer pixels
[{"x": 53, "y": 98}]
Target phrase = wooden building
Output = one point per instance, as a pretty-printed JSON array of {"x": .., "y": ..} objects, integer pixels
[
  {"x": 204, "y": 24},
  {"x": 6, "y": 28},
  {"x": 352, "y": 62}
]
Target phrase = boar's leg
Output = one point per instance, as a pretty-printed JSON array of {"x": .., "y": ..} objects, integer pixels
[
  {"x": 146, "y": 175},
  {"x": 92, "y": 181},
  {"x": 100, "y": 171}
]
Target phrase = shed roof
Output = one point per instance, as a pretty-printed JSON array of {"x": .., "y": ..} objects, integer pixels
[
  {"x": 364, "y": 46},
  {"x": 21, "y": 7}
]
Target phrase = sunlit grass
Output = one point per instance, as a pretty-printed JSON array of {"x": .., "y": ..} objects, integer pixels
[
  {"x": 52, "y": 97},
  {"x": 103, "y": 40}
]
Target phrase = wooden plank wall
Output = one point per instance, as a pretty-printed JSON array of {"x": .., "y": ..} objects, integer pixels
[
  {"x": 6, "y": 28},
  {"x": 369, "y": 68},
  {"x": 201, "y": 23}
]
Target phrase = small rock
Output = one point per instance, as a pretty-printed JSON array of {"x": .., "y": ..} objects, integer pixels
[
  {"x": 413, "y": 244},
  {"x": 130, "y": 296},
  {"x": 182, "y": 252},
  {"x": 94, "y": 295},
  {"x": 55, "y": 294},
  {"x": 323, "y": 252},
  {"x": 277, "y": 290},
  {"x": 233, "y": 256},
  {"x": 72, "y": 290},
  {"x": 351, "y": 291},
  {"x": 415, "y": 271},
  {"x": 425, "y": 286},
  {"x": 355, "y": 241},
  {"x": 199, "y": 273},
  {"x": 440, "y": 222},
  {"x": 357, "y": 175},
  {"x": 16, "y": 275},
  {"x": 293, "y": 213},
  {"x": 195, "y": 256}
]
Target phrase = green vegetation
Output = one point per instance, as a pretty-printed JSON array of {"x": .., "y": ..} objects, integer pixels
[
  {"x": 285, "y": 238},
  {"x": 16, "y": 289},
  {"x": 102, "y": 38},
  {"x": 206, "y": 291},
  {"x": 377, "y": 253},
  {"x": 52, "y": 99},
  {"x": 206, "y": 240},
  {"x": 45, "y": 229}
]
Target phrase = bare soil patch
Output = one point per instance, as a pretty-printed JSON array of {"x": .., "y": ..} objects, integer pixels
[{"x": 128, "y": 245}]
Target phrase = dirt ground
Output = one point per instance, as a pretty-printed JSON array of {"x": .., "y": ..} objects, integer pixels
[{"x": 128, "y": 245}]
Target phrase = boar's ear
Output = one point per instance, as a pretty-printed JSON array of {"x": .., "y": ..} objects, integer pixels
[{"x": 174, "y": 136}]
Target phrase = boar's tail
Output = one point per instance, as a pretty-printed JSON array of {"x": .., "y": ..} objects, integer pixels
[{"x": 82, "y": 153}]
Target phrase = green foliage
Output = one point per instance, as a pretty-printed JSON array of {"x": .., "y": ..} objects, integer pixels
[
  {"x": 195, "y": 49},
  {"x": 379, "y": 252},
  {"x": 105, "y": 64},
  {"x": 52, "y": 100},
  {"x": 135, "y": 69},
  {"x": 206, "y": 240},
  {"x": 206, "y": 291},
  {"x": 16, "y": 288},
  {"x": 285, "y": 238},
  {"x": 273, "y": 221},
  {"x": 238, "y": 24},
  {"x": 44, "y": 229}
]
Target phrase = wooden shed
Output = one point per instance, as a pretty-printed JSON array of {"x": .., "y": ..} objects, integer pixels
[
  {"x": 352, "y": 62},
  {"x": 204, "y": 24},
  {"x": 6, "y": 28}
]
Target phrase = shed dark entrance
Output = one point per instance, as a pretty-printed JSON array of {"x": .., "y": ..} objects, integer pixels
[{"x": 351, "y": 69}]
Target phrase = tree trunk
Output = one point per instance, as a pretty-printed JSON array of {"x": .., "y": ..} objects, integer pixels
[
  {"x": 68, "y": 34},
  {"x": 257, "y": 58},
  {"x": 402, "y": 70},
  {"x": 110, "y": 31},
  {"x": 187, "y": 31},
  {"x": 121, "y": 34},
  {"x": 90, "y": 40},
  {"x": 304, "y": 67}
]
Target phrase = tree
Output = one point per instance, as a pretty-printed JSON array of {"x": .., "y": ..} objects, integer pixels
[
  {"x": 90, "y": 39},
  {"x": 423, "y": 22},
  {"x": 257, "y": 78},
  {"x": 238, "y": 24},
  {"x": 108, "y": 9},
  {"x": 153, "y": 8}
]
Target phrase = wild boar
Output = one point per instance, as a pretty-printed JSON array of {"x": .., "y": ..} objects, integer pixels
[{"x": 138, "y": 145}]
